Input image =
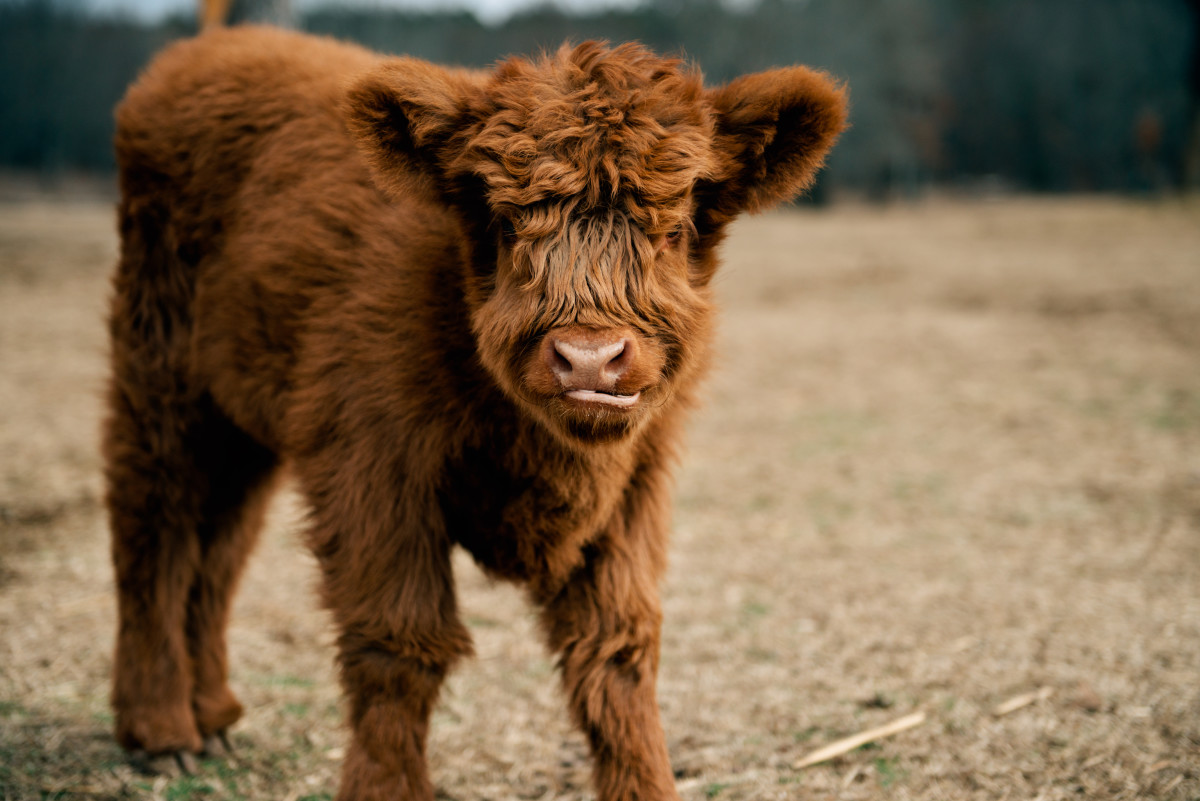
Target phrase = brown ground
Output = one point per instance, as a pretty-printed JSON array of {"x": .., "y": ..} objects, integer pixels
[{"x": 951, "y": 455}]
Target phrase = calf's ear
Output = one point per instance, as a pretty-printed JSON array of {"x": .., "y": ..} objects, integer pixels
[
  {"x": 403, "y": 116},
  {"x": 773, "y": 130}
]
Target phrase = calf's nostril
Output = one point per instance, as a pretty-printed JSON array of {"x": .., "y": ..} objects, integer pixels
[
  {"x": 559, "y": 362},
  {"x": 619, "y": 362}
]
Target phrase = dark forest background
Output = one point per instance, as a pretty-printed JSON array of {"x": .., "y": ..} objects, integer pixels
[{"x": 1029, "y": 95}]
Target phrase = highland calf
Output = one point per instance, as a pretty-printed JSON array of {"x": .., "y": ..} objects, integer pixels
[{"x": 463, "y": 308}]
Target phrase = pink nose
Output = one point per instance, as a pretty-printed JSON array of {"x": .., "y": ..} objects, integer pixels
[{"x": 591, "y": 360}]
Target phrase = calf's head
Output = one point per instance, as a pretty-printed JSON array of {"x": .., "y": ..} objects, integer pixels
[{"x": 593, "y": 186}]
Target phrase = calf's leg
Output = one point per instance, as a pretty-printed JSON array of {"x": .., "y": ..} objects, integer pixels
[
  {"x": 185, "y": 493},
  {"x": 605, "y": 623},
  {"x": 155, "y": 550},
  {"x": 387, "y": 579},
  {"x": 241, "y": 473}
]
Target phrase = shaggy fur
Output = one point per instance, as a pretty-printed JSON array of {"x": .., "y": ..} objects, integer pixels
[{"x": 463, "y": 308}]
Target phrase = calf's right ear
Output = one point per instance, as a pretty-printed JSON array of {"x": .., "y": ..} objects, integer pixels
[{"x": 403, "y": 117}]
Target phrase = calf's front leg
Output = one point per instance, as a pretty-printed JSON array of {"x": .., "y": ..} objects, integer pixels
[
  {"x": 605, "y": 623},
  {"x": 387, "y": 580}
]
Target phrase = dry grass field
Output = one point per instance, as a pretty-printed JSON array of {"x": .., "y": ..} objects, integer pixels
[{"x": 950, "y": 455}]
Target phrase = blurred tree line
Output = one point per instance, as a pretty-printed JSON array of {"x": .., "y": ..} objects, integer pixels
[{"x": 1045, "y": 95}]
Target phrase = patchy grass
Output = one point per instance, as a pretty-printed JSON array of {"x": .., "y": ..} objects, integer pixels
[{"x": 950, "y": 455}]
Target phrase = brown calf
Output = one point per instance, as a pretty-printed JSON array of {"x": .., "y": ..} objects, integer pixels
[{"x": 464, "y": 308}]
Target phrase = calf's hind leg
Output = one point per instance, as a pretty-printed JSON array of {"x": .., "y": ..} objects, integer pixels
[
  {"x": 185, "y": 496},
  {"x": 241, "y": 473}
]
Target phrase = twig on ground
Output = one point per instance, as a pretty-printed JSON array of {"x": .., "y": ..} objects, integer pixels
[
  {"x": 862, "y": 738},
  {"x": 1021, "y": 701}
]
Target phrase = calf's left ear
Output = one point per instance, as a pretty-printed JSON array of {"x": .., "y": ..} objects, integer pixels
[
  {"x": 773, "y": 130},
  {"x": 403, "y": 116}
]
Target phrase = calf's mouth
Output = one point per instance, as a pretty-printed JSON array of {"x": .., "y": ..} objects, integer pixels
[{"x": 604, "y": 398}]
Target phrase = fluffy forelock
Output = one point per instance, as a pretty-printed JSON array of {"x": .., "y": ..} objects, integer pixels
[{"x": 590, "y": 128}]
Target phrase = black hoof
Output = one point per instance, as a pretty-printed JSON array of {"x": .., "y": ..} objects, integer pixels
[
  {"x": 187, "y": 762},
  {"x": 177, "y": 763},
  {"x": 218, "y": 745}
]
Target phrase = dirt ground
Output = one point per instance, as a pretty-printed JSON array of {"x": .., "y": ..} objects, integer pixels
[{"x": 950, "y": 455}]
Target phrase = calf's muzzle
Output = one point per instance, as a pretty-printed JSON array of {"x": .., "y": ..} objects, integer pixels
[{"x": 592, "y": 365}]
